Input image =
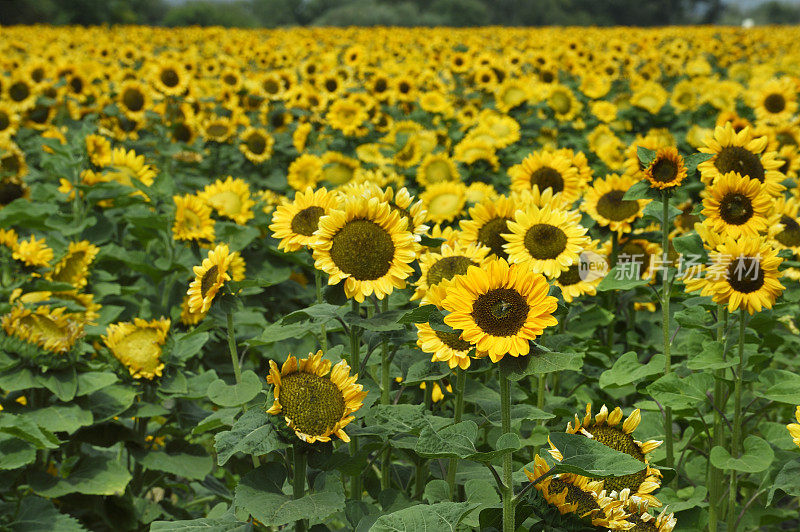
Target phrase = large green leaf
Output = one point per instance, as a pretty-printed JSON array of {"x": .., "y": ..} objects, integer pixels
[
  {"x": 227, "y": 523},
  {"x": 757, "y": 457},
  {"x": 91, "y": 381},
  {"x": 110, "y": 401},
  {"x": 235, "y": 394},
  {"x": 63, "y": 383},
  {"x": 251, "y": 434},
  {"x": 781, "y": 386},
  {"x": 36, "y": 514},
  {"x": 180, "y": 464},
  {"x": 93, "y": 475},
  {"x": 440, "y": 517},
  {"x": 15, "y": 453},
  {"x": 458, "y": 441},
  {"x": 61, "y": 418},
  {"x": 787, "y": 480},
  {"x": 590, "y": 458},
  {"x": 621, "y": 278},
  {"x": 26, "y": 429},
  {"x": 681, "y": 393},
  {"x": 628, "y": 369}
]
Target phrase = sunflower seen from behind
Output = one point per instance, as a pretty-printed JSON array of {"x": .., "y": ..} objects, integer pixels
[
  {"x": 138, "y": 345},
  {"x": 316, "y": 400},
  {"x": 192, "y": 219},
  {"x": 209, "y": 278}
]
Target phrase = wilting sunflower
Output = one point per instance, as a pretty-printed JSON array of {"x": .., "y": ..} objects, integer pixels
[
  {"x": 667, "y": 170},
  {"x": 547, "y": 169},
  {"x": 737, "y": 205},
  {"x": 742, "y": 153},
  {"x": 744, "y": 274},
  {"x": 316, "y": 401},
  {"x": 500, "y": 308},
  {"x": 192, "y": 219},
  {"x": 304, "y": 172},
  {"x": 33, "y": 253},
  {"x": 446, "y": 263},
  {"x": 775, "y": 102},
  {"x": 366, "y": 245},
  {"x": 604, "y": 427},
  {"x": 577, "y": 495},
  {"x": 443, "y": 346},
  {"x": 138, "y": 345},
  {"x": 73, "y": 268},
  {"x": 794, "y": 428},
  {"x": 784, "y": 224},
  {"x": 230, "y": 198},
  {"x": 604, "y": 203},
  {"x": 295, "y": 223},
  {"x": 209, "y": 278},
  {"x": 546, "y": 240},
  {"x": 436, "y": 168},
  {"x": 52, "y": 330},
  {"x": 256, "y": 144},
  {"x": 444, "y": 201},
  {"x": 487, "y": 222}
]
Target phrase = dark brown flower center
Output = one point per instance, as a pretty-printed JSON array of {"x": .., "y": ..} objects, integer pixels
[
  {"x": 9, "y": 191},
  {"x": 363, "y": 249},
  {"x": 775, "y": 103},
  {"x": 790, "y": 236},
  {"x": 19, "y": 91},
  {"x": 313, "y": 403},
  {"x": 738, "y": 159},
  {"x": 545, "y": 241},
  {"x": 133, "y": 99},
  {"x": 490, "y": 235},
  {"x": 169, "y": 78},
  {"x": 547, "y": 177},
  {"x": 570, "y": 276},
  {"x": 453, "y": 340},
  {"x": 256, "y": 143},
  {"x": 500, "y": 311},
  {"x": 745, "y": 274},
  {"x": 664, "y": 170},
  {"x": 447, "y": 268},
  {"x": 306, "y": 221},
  {"x": 208, "y": 280},
  {"x": 613, "y": 207},
  {"x": 735, "y": 208}
]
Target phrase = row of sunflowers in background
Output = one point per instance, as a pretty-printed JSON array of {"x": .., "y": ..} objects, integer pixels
[{"x": 362, "y": 279}]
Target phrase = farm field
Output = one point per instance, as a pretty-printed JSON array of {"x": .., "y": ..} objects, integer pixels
[{"x": 399, "y": 279}]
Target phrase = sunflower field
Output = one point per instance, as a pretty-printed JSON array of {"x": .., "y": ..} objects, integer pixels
[{"x": 399, "y": 279}]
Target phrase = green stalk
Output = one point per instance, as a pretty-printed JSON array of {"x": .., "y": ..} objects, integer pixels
[
  {"x": 612, "y": 295},
  {"x": 736, "y": 444},
  {"x": 299, "y": 483},
  {"x": 508, "y": 483},
  {"x": 540, "y": 391},
  {"x": 715, "y": 486},
  {"x": 386, "y": 462},
  {"x": 665, "y": 293},
  {"x": 237, "y": 370},
  {"x": 323, "y": 338},
  {"x": 452, "y": 467},
  {"x": 355, "y": 363}
]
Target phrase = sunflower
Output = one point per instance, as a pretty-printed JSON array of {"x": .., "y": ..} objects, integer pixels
[
  {"x": 563, "y": 102},
  {"x": 138, "y": 345},
  {"x": 9, "y": 239},
  {"x": 784, "y": 224},
  {"x": 450, "y": 260},
  {"x": 12, "y": 160},
  {"x": 469, "y": 151},
  {"x": 742, "y": 153},
  {"x": 401, "y": 202},
  {"x": 187, "y": 316},
  {"x": 577, "y": 495},
  {"x": 73, "y": 268},
  {"x": 583, "y": 277},
  {"x": 775, "y": 102},
  {"x": 488, "y": 222},
  {"x": 192, "y": 219},
  {"x": 443, "y": 346},
  {"x": 500, "y": 308},
  {"x": 338, "y": 168},
  {"x": 229, "y": 198},
  {"x": 638, "y": 513},
  {"x": 316, "y": 401},
  {"x": 737, "y": 205},
  {"x": 667, "y": 169},
  {"x": 547, "y": 169},
  {"x": 650, "y": 96},
  {"x": 133, "y": 99},
  {"x": 794, "y": 428},
  {"x": 300, "y": 136},
  {"x": 218, "y": 128},
  {"x": 546, "y": 240},
  {"x": 295, "y": 223},
  {"x": 305, "y": 171},
  {"x": 9, "y": 121},
  {"x": 52, "y": 330},
  {"x": 604, "y": 427},
  {"x": 444, "y": 201},
  {"x": 169, "y": 78},
  {"x": 636, "y": 257},
  {"x": 347, "y": 116},
  {"x": 124, "y": 167},
  {"x": 33, "y": 253},
  {"x": 604, "y": 203},
  {"x": 98, "y": 148},
  {"x": 256, "y": 144},
  {"x": 209, "y": 278},
  {"x": 744, "y": 274},
  {"x": 436, "y": 169},
  {"x": 366, "y": 245}
]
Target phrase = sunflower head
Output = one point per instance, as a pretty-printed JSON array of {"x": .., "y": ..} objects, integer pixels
[
  {"x": 210, "y": 276},
  {"x": 137, "y": 345},
  {"x": 737, "y": 206},
  {"x": 316, "y": 401},
  {"x": 667, "y": 169},
  {"x": 51, "y": 329},
  {"x": 605, "y": 204},
  {"x": 295, "y": 223}
]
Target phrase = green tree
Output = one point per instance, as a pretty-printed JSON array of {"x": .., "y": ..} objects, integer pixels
[{"x": 207, "y": 13}]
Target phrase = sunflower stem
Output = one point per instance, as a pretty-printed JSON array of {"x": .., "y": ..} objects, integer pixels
[
  {"x": 386, "y": 463},
  {"x": 540, "y": 391},
  {"x": 299, "y": 483},
  {"x": 323, "y": 335},
  {"x": 736, "y": 446},
  {"x": 508, "y": 483},
  {"x": 452, "y": 466},
  {"x": 355, "y": 362},
  {"x": 665, "y": 293},
  {"x": 715, "y": 495},
  {"x": 237, "y": 371},
  {"x": 612, "y": 295}
]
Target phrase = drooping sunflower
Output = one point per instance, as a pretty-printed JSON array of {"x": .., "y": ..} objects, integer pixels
[
  {"x": 73, "y": 268},
  {"x": 209, "y": 278},
  {"x": 295, "y": 223},
  {"x": 256, "y": 144},
  {"x": 444, "y": 201},
  {"x": 604, "y": 427},
  {"x": 137, "y": 345},
  {"x": 192, "y": 219},
  {"x": 33, "y": 253},
  {"x": 577, "y": 495},
  {"x": 487, "y": 222},
  {"x": 436, "y": 168},
  {"x": 742, "y": 153},
  {"x": 52, "y": 330},
  {"x": 667, "y": 170},
  {"x": 546, "y": 240},
  {"x": 744, "y": 274},
  {"x": 547, "y": 169},
  {"x": 737, "y": 205},
  {"x": 794, "y": 428},
  {"x": 230, "y": 198},
  {"x": 784, "y": 224},
  {"x": 500, "y": 308},
  {"x": 775, "y": 101},
  {"x": 316, "y": 401},
  {"x": 447, "y": 262},
  {"x": 604, "y": 203},
  {"x": 366, "y": 245},
  {"x": 304, "y": 172}
]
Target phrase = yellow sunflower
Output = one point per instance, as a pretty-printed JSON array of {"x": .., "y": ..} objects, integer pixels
[
  {"x": 124, "y": 167},
  {"x": 443, "y": 346},
  {"x": 348, "y": 116},
  {"x": 229, "y": 198},
  {"x": 667, "y": 170},
  {"x": 488, "y": 221},
  {"x": 583, "y": 277},
  {"x": 73, "y": 268},
  {"x": 737, "y": 206},
  {"x": 316, "y": 401},
  {"x": 784, "y": 224},
  {"x": 447, "y": 262},
  {"x": 563, "y": 102},
  {"x": 295, "y": 223},
  {"x": 500, "y": 308},
  {"x": 12, "y": 160},
  {"x": 744, "y": 274},
  {"x": 547, "y": 169},
  {"x": 304, "y": 172},
  {"x": 98, "y": 148},
  {"x": 137, "y": 345},
  {"x": 437, "y": 168},
  {"x": 133, "y": 99},
  {"x": 639, "y": 515},
  {"x": 775, "y": 102},
  {"x": 52, "y": 330},
  {"x": 169, "y": 78},
  {"x": 794, "y": 428},
  {"x": 187, "y": 316},
  {"x": 33, "y": 253},
  {"x": 338, "y": 168},
  {"x": 256, "y": 144},
  {"x": 604, "y": 428},
  {"x": 209, "y": 278},
  {"x": 545, "y": 240},
  {"x": 604, "y": 203},
  {"x": 401, "y": 202},
  {"x": 192, "y": 219},
  {"x": 444, "y": 201},
  {"x": 366, "y": 245}
]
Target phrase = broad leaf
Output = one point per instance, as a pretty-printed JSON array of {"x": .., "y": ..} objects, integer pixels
[{"x": 590, "y": 458}]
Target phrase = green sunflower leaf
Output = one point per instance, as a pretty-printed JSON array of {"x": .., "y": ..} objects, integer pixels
[
  {"x": 36, "y": 514},
  {"x": 681, "y": 393},
  {"x": 640, "y": 190},
  {"x": 440, "y": 516},
  {"x": 15, "y": 453},
  {"x": 223, "y": 394},
  {"x": 628, "y": 369},
  {"x": 691, "y": 247},
  {"x": 655, "y": 210},
  {"x": 757, "y": 457},
  {"x": 621, "y": 277},
  {"x": 590, "y": 458},
  {"x": 787, "y": 480},
  {"x": 180, "y": 464},
  {"x": 645, "y": 155},
  {"x": 93, "y": 475},
  {"x": 251, "y": 434}
]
